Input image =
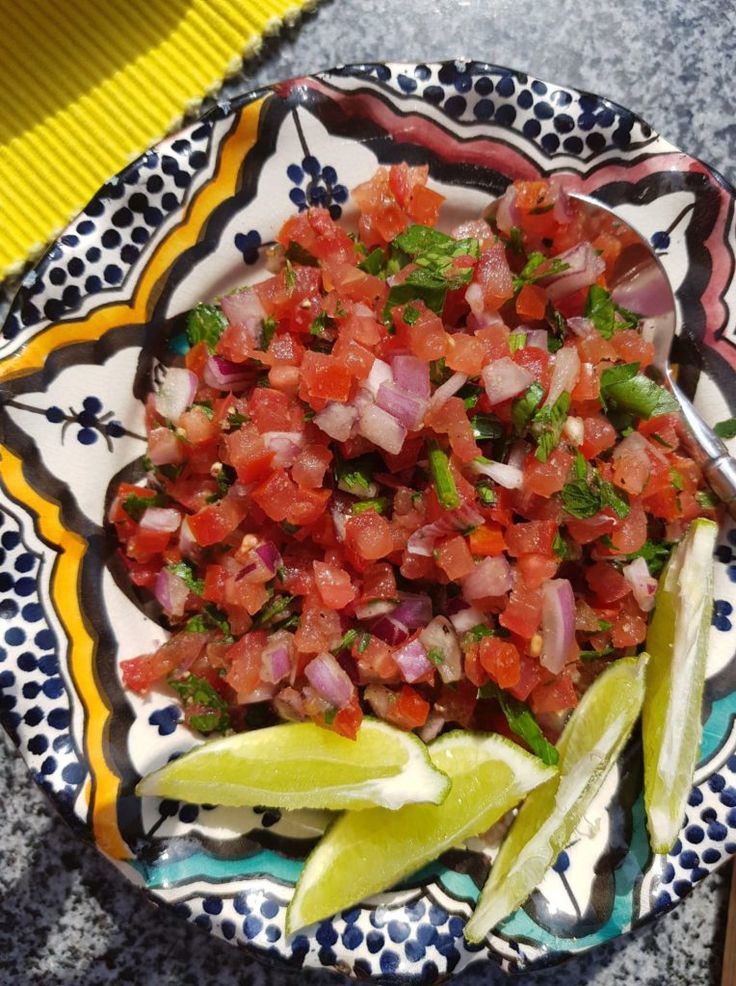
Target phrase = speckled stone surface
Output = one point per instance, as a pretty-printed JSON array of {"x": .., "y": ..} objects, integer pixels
[{"x": 67, "y": 917}]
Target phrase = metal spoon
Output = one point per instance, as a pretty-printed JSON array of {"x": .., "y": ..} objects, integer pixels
[{"x": 636, "y": 263}]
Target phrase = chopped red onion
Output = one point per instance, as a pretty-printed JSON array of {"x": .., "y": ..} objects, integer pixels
[
  {"x": 269, "y": 555},
  {"x": 580, "y": 326},
  {"x": 406, "y": 408},
  {"x": 389, "y": 630},
  {"x": 380, "y": 373},
  {"x": 381, "y": 428},
  {"x": 222, "y": 374},
  {"x": 510, "y": 477},
  {"x": 463, "y": 616},
  {"x": 562, "y": 211},
  {"x": 440, "y": 636},
  {"x": 244, "y": 309},
  {"x": 413, "y": 661},
  {"x": 423, "y": 540},
  {"x": 187, "y": 543},
  {"x": 504, "y": 379},
  {"x": 261, "y": 693},
  {"x": 643, "y": 585},
  {"x": 289, "y": 705},
  {"x": 558, "y": 624},
  {"x": 160, "y": 519},
  {"x": 448, "y": 389},
  {"x": 329, "y": 680},
  {"x": 275, "y": 662},
  {"x": 260, "y": 563},
  {"x": 337, "y": 420},
  {"x": 644, "y": 290},
  {"x": 171, "y": 592},
  {"x": 518, "y": 454},
  {"x": 176, "y": 393},
  {"x": 380, "y": 699},
  {"x": 507, "y": 211},
  {"x": 491, "y": 577},
  {"x": 374, "y": 608},
  {"x": 414, "y": 610},
  {"x": 412, "y": 375},
  {"x": 431, "y": 728},
  {"x": 584, "y": 267},
  {"x": 286, "y": 446},
  {"x": 565, "y": 373}
]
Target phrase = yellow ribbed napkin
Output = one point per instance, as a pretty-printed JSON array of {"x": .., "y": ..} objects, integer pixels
[{"x": 87, "y": 84}]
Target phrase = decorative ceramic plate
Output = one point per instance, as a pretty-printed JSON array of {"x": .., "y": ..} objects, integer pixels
[{"x": 188, "y": 221}]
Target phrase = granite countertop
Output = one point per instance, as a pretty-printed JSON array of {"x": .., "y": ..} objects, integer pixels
[{"x": 67, "y": 917}]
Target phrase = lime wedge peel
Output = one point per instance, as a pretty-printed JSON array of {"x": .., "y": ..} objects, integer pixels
[
  {"x": 369, "y": 851},
  {"x": 301, "y": 765},
  {"x": 671, "y": 719},
  {"x": 591, "y": 742}
]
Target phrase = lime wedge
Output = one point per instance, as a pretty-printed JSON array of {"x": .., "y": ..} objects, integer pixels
[
  {"x": 301, "y": 765},
  {"x": 369, "y": 851},
  {"x": 590, "y": 743},
  {"x": 671, "y": 719}
]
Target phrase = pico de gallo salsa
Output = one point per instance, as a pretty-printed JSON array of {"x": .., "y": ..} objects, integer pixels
[{"x": 412, "y": 474}]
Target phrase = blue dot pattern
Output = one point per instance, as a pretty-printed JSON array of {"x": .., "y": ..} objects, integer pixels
[
  {"x": 34, "y": 704},
  {"x": 131, "y": 208}
]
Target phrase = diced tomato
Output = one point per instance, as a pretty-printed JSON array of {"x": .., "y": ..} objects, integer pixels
[
  {"x": 523, "y": 614},
  {"x": 379, "y": 582},
  {"x": 356, "y": 359},
  {"x": 466, "y": 354},
  {"x": 451, "y": 419},
  {"x": 426, "y": 336},
  {"x": 606, "y": 582},
  {"x": 533, "y": 537},
  {"x": 457, "y": 702},
  {"x": 369, "y": 535},
  {"x": 348, "y": 719},
  {"x": 598, "y": 436},
  {"x": 531, "y": 302},
  {"x": 213, "y": 523},
  {"x": 145, "y": 544},
  {"x": 333, "y": 585},
  {"x": 197, "y": 425},
  {"x": 487, "y": 540},
  {"x": 324, "y": 377},
  {"x": 310, "y": 466},
  {"x": 547, "y": 478},
  {"x": 662, "y": 428},
  {"x": 501, "y": 660},
  {"x": 493, "y": 274},
  {"x": 629, "y": 626},
  {"x": 215, "y": 579},
  {"x": 454, "y": 558},
  {"x": 631, "y": 347},
  {"x": 272, "y": 410},
  {"x": 244, "y": 660},
  {"x": 246, "y": 452},
  {"x": 536, "y": 361},
  {"x": 319, "y": 628},
  {"x": 317, "y": 233},
  {"x": 535, "y": 569},
  {"x": 249, "y": 596},
  {"x": 554, "y": 696},
  {"x": 474, "y": 670},
  {"x": 629, "y": 533},
  {"x": 139, "y": 673},
  {"x": 530, "y": 675},
  {"x": 631, "y": 470}
]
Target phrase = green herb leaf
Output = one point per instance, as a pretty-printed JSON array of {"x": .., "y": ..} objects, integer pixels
[
  {"x": 522, "y": 722},
  {"x": 268, "y": 329},
  {"x": 611, "y": 498},
  {"x": 595, "y": 655},
  {"x": 356, "y": 475},
  {"x": 485, "y": 492},
  {"x": 706, "y": 499},
  {"x": 185, "y": 572},
  {"x": 235, "y": 419},
  {"x": 580, "y": 499},
  {"x": 516, "y": 239},
  {"x": 436, "y": 656},
  {"x": 523, "y": 408},
  {"x": 277, "y": 605},
  {"x": 210, "y": 618},
  {"x": 363, "y": 643},
  {"x": 677, "y": 481},
  {"x": 410, "y": 314},
  {"x": 205, "y": 323},
  {"x": 517, "y": 340},
  {"x": 538, "y": 267},
  {"x": 726, "y": 429},
  {"x": 627, "y": 390},
  {"x": 560, "y": 547},
  {"x": 655, "y": 554},
  {"x": 600, "y": 310},
  {"x": 470, "y": 394},
  {"x": 547, "y": 425},
  {"x": 438, "y": 372},
  {"x": 347, "y": 641},
  {"x": 289, "y": 278},
  {"x": 444, "y": 483},
  {"x": 476, "y": 634},
  {"x": 379, "y": 504},
  {"x": 321, "y": 322},
  {"x": 374, "y": 262},
  {"x": 193, "y": 690},
  {"x": 135, "y": 505}
]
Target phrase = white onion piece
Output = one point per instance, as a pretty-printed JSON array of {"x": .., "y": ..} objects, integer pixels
[
  {"x": 289, "y": 705},
  {"x": 187, "y": 544},
  {"x": 164, "y": 447},
  {"x": 286, "y": 446},
  {"x": 467, "y": 618},
  {"x": 171, "y": 592},
  {"x": 504, "y": 379},
  {"x": 510, "y": 477},
  {"x": 336, "y": 420},
  {"x": 448, "y": 389},
  {"x": 537, "y": 339},
  {"x": 507, "y": 211},
  {"x": 423, "y": 540},
  {"x": 244, "y": 309},
  {"x": 558, "y": 624},
  {"x": 412, "y": 375},
  {"x": 643, "y": 585},
  {"x": 374, "y": 608},
  {"x": 329, "y": 680},
  {"x": 381, "y": 428},
  {"x": 574, "y": 431},
  {"x": 474, "y": 297},
  {"x": 406, "y": 408},
  {"x": 222, "y": 374},
  {"x": 491, "y": 577},
  {"x": 564, "y": 374},
  {"x": 276, "y": 657},
  {"x": 439, "y": 635},
  {"x": 584, "y": 267},
  {"x": 380, "y": 373},
  {"x": 580, "y": 326},
  {"x": 412, "y": 661},
  {"x": 176, "y": 393},
  {"x": 160, "y": 519},
  {"x": 431, "y": 728}
]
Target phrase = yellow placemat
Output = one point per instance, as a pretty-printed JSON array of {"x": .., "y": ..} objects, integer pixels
[{"x": 87, "y": 84}]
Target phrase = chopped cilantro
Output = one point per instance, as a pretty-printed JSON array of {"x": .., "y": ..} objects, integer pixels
[
  {"x": 726, "y": 429},
  {"x": 135, "y": 505},
  {"x": 347, "y": 641},
  {"x": 205, "y": 323},
  {"x": 706, "y": 499},
  {"x": 235, "y": 419},
  {"x": 436, "y": 272},
  {"x": 436, "y": 656},
  {"x": 321, "y": 322},
  {"x": 374, "y": 262},
  {"x": 206, "y": 407},
  {"x": 654, "y": 553},
  {"x": 486, "y": 427},
  {"x": 410, "y": 314},
  {"x": 677, "y": 481},
  {"x": 486, "y": 493},
  {"x": 625, "y": 389},
  {"x": 536, "y": 268},
  {"x": 516, "y": 239},
  {"x": 560, "y": 547},
  {"x": 604, "y": 625},
  {"x": 595, "y": 655},
  {"x": 297, "y": 254},
  {"x": 438, "y": 371},
  {"x": 356, "y": 475},
  {"x": 470, "y": 394},
  {"x": 584, "y": 497},
  {"x": 476, "y": 634},
  {"x": 517, "y": 340},
  {"x": 289, "y": 278},
  {"x": 522, "y": 722},
  {"x": 547, "y": 425},
  {"x": 277, "y": 605},
  {"x": 363, "y": 643},
  {"x": 210, "y": 618},
  {"x": 379, "y": 504},
  {"x": 186, "y": 573},
  {"x": 444, "y": 481},
  {"x": 193, "y": 690},
  {"x": 268, "y": 328},
  {"x": 523, "y": 408},
  {"x": 599, "y": 309}
]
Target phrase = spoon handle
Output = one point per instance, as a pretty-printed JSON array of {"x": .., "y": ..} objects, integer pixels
[{"x": 719, "y": 468}]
